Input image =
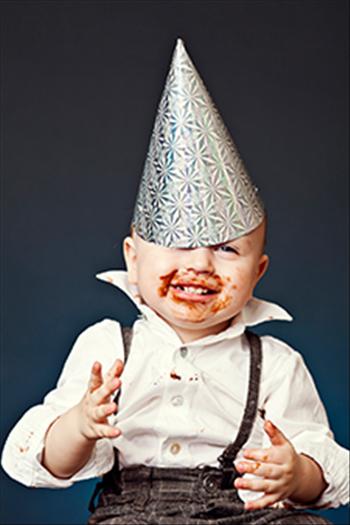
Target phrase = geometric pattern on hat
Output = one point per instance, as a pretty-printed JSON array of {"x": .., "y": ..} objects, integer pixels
[{"x": 195, "y": 190}]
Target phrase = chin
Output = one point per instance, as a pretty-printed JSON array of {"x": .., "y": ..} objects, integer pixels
[{"x": 183, "y": 321}]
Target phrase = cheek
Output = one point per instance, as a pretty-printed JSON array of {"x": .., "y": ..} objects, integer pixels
[
  {"x": 231, "y": 285},
  {"x": 154, "y": 275},
  {"x": 222, "y": 303},
  {"x": 227, "y": 296},
  {"x": 237, "y": 289},
  {"x": 243, "y": 279}
]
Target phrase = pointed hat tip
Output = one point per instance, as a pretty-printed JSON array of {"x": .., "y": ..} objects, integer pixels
[{"x": 180, "y": 42}]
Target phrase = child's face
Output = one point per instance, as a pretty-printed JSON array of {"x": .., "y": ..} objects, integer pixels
[{"x": 197, "y": 291}]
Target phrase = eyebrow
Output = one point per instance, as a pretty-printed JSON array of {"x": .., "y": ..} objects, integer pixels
[{"x": 233, "y": 241}]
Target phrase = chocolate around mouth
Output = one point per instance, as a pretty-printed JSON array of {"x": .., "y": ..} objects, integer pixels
[
  {"x": 208, "y": 285},
  {"x": 193, "y": 288}
]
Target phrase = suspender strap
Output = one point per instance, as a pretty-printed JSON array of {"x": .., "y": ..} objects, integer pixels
[
  {"x": 111, "y": 480},
  {"x": 127, "y": 338},
  {"x": 229, "y": 454}
]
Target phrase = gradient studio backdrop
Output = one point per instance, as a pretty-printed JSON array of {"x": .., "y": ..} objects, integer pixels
[{"x": 81, "y": 82}]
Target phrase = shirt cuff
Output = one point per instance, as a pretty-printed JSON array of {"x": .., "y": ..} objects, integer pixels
[
  {"x": 100, "y": 462},
  {"x": 24, "y": 447},
  {"x": 333, "y": 459}
]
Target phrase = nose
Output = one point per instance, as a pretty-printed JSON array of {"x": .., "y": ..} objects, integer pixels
[{"x": 198, "y": 259}]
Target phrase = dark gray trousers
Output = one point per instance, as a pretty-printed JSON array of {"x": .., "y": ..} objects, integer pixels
[{"x": 155, "y": 496}]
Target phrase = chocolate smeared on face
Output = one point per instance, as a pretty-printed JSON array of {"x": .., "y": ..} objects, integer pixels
[
  {"x": 196, "y": 293},
  {"x": 166, "y": 280},
  {"x": 190, "y": 281},
  {"x": 221, "y": 304},
  {"x": 200, "y": 293}
]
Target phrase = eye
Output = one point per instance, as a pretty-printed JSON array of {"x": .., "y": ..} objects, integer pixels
[{"x": 226, "y": 248}]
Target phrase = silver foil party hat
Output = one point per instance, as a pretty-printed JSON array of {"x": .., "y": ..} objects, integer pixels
[{"x": 195, "y": 190}]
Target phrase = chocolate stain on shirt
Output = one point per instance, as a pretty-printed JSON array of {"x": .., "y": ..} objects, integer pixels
[
  {"x": 262, "y": 413},
  {"x": 174, "y": 375}
]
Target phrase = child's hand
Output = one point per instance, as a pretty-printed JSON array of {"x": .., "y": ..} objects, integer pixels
[
  {"x": 96, "y": 405},
  {"x": 279, "y": 466}
]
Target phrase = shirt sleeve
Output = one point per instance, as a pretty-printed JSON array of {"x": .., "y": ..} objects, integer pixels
[
  {"x": 22, "y": 453},
  {"x": 294, "y": 406}
]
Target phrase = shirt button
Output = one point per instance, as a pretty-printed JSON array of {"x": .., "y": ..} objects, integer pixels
[
  {"x": 183, "y": 351},
  {"x": 177, "y": 401},
  {"x": 175, "y": 448}
]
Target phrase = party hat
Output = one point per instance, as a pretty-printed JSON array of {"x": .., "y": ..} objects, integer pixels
[{"x": 195, "y": 190}]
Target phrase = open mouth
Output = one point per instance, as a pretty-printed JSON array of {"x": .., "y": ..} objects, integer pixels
[{"x": 193, "y": 289}]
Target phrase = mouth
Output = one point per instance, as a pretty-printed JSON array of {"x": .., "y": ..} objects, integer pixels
[
  {"x": 190, "y": 287},
  {"x": 193, "y": 291}
]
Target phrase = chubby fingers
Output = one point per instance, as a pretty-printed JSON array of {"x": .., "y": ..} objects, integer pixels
[
  {"x": 106, "y": 431},
  {"x": 276, "y": 436},
  {"x": 115, "y": 370},
  {"x": 270, "y": 487},
  {"x": 101, "y": 412},
  {"x": 95, "y": 380},
  {"x": 256, "y": 484},
  {"x": 270, "y": 466},
  {"x": 265, "y": 470},
  {"x": 96, "y": 405},
  {"x": 266, "y": 501},
  {"x": 259, "y": 455},
  {"x": 275, "y": 454},
  {"x": 103, "y": 393},
  {"x": 99, "y": 420}
]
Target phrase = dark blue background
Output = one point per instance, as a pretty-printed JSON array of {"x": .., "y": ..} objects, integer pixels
[{"x": 81, "y": 81}]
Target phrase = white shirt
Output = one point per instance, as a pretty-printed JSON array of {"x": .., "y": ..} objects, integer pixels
[{"x": 184, "y": 419}]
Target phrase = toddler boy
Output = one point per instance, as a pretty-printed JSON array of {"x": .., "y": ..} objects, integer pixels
[{"x": 213, "y": 424}]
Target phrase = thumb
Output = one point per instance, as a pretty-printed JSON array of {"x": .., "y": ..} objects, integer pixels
[{"x": 276, "y": 436}]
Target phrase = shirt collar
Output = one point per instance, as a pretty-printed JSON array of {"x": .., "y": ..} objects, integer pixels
[{"x": 256, "y": 311}]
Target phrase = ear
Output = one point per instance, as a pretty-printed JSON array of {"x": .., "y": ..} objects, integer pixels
[
  {"x": 130, "y": 256},
  {"x": 262, "y": 267}
]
